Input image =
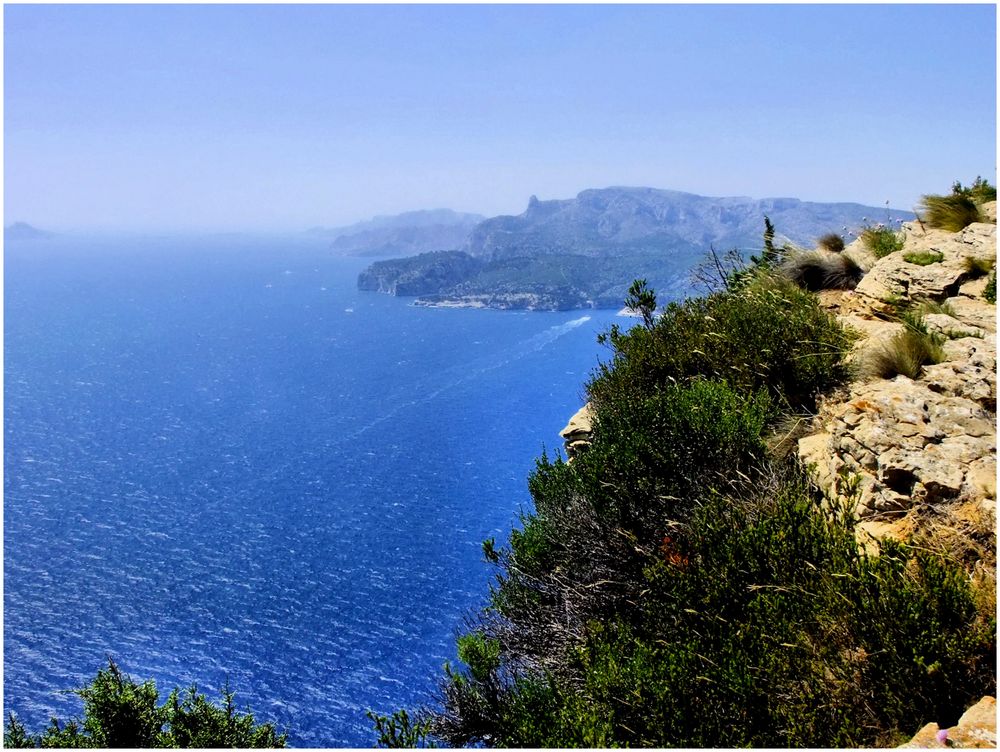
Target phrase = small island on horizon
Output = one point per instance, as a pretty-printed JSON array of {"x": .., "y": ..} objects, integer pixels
[{"x": 24, "y": 231}]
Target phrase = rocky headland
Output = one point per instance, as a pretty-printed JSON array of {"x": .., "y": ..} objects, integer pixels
[{"x": 584, "y": 252}]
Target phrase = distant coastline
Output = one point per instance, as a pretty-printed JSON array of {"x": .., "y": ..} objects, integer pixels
[{"x": 584, "y": 252}]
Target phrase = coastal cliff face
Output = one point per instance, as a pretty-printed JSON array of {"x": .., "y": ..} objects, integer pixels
[{"x": 420, "y": 275}]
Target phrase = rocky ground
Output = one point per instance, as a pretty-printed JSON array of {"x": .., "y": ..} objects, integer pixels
[{"x": 917, "y": 456}]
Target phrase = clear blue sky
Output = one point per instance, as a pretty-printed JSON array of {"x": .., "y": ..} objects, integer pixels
[{"x": 284, "y": 117}]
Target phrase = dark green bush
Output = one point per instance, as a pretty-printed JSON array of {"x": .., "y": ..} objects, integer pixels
[
  {"x": 769, "y": 335},
  {"x": 762, "y": 624},
  {"x": 120, "y": 713},
  {"x": 990, "y": 291},
  {"x": 675, "y": 587}
]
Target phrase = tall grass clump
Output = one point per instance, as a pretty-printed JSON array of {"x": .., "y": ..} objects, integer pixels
[
  {"x": 907, "y": 352},
  {"x": 677, "y": 586},
  {"x": 952, "y": 213},
  {"x": 978, "y": 267},
  {"x": 822, "y": 271},
  {"x": 923, "y": 307},
  {"x": 881, "y": 240},
  {"x": 990, "y": 291},
  {"x": 831, "y": 242},
  {"x": 960, "y": 208}
]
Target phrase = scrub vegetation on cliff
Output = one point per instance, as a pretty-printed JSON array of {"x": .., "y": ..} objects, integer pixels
[
  {"x": 119, "y": 713},
  {"x": 678, "y": 585}
]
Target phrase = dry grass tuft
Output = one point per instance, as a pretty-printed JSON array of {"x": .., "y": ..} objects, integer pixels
[
  {"x": 952, "y": 213},
  {"x": 978, "y": 267},
  {"x": 831, "y": 242},
  {"x": 814, "y": 270},
  {"x": 906, "y": 353}
]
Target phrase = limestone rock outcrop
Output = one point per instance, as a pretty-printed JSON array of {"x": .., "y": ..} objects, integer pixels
[
  {"x": 576, "y": 434},
  {"x": 976, "y": 729},
  {"x": 893, "y": 277},
  {"x": 903, "y": 451}
]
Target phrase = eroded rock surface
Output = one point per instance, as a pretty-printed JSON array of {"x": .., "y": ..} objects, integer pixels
[
  {"x": 576, "y": 434},
  {"x": 903, "y": 450}
]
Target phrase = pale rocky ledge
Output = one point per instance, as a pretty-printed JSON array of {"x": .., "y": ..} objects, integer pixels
[
  {"x": 912, "y": 456},
  {"x": 917, "y": 455}
]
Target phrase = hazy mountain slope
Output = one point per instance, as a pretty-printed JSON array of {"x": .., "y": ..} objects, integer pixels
[
  {"x": 584, "y": 252},
  {"x": 610, "y": 221},
  {"x": 24, "y": 231},
  {"x": 404, "y": 234}
]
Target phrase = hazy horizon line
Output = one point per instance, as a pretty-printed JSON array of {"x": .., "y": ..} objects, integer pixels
[{"x": 320, "y": 225}]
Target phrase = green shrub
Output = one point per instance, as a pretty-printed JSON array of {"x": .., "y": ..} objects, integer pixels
[
  {"x": 821, "y": 271},
  {"x": 980, "y": 191},
  {"x": 762, "y": 624},
  {"x": 881, "y": 240},
  {"x": 769, "y": 334},
  {"x": 952, "y": 213},
  {"x": 676, "y": 587},
  {"x": 923, "y": 258},
  {"x": 990, "y": 291},
  {"x": 831, "y": 242},
  {"x": 120, "y": 713},
  {"x": 649, "y": 464},
  {"x": 963, "y": 333},
  {"x": 399, "y": 731}
]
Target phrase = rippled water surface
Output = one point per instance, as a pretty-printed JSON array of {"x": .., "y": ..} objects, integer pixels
[{"x": 221, "y": 460}]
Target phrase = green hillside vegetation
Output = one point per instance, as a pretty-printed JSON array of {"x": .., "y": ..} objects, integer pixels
[
  {"x": 118, "y": 712},
  {"x": 677, "y": 585}
]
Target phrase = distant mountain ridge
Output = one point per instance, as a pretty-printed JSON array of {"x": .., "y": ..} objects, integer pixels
[
  {"x": 403, "y": 234},
  {"x": 638, "y": 220},
  {"x": 583, "y": 252}
]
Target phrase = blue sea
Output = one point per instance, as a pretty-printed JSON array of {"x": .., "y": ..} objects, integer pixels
[{"x": 222, "y": 461}]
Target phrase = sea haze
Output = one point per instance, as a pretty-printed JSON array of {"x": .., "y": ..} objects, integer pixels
[{"x": 222, "y": 460}]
